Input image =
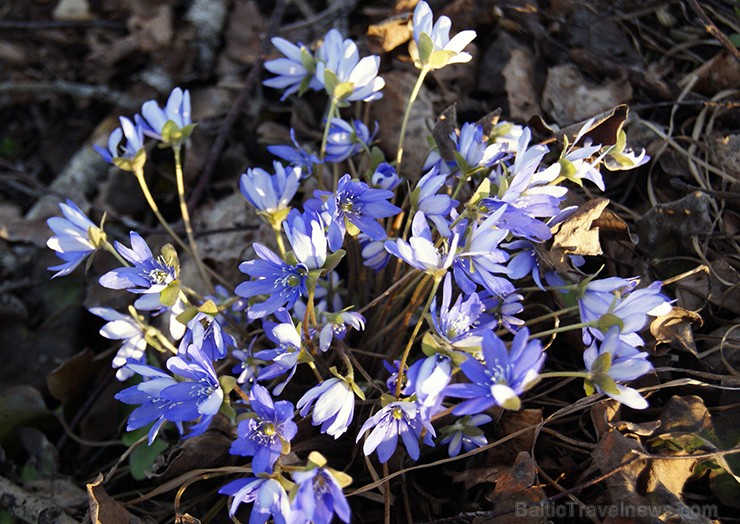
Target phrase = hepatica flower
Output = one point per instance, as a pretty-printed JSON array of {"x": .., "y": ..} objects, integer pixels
[
  {"x": 613, "y": 301},
  {"x": 171, "y": 124},
  {"x": 296, "y": 155},
  {"x": 385, "y": 176},
  {"x": 346, "y": 139},
  {"x": 355, "y": 207},
  {"x": 397, "y": 419},
  {"x": 420, "y": 251},
  {"x": 284, "y": 357},
  {"x": 125, "y": 328},
  {"x": 147, "y": 276},
  {"x": 295, "y": 71},
  {"x": 129, "y": 155},
  {"x": 265, "y": 435},
  {"x": 427, "y": 199},
  {"x": 501, "y": 377},
  {"x": 269, "y": 193},
  {"x": 465, "y": 434},
  {"x": 269, "y": 497},
  {"x": 345, "y": 76},
  {"x": 333, "y": 404},
  {"x": 460, "y": 324},
  {"x": 612, "y": 361},
  {"x": 75, "y": 237},
  {"x": 434, "y": 48},
  {"x": 205, "y": 332},
  {"x": 319, "y": 495}
]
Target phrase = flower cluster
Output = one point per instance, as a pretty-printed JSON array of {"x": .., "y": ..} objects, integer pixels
[{"x": 291, "y": 339}]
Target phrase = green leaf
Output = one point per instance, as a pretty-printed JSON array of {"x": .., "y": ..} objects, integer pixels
[
  {"x": 330, "y": 81},
  {"x": 227, "y": 383},
  {"x": 169, "y": 254},
  {"x": 187, "y": 315},
  {"x": 343, "y": 90},
  {"x": 169, "y": 295},
  {"x": 333, "y": 260},
  {"x": 209, "y": 307},
  {"x": 482, "y": 191},
  {"x": 425, "y": 47},
  {"x": 142, "y": 458},
  {"x": 429, "y": 345},
  {"x": 602, "y": 364},
  {"x": 606, "y": 383},
  {"x": 441, "y": 58}
]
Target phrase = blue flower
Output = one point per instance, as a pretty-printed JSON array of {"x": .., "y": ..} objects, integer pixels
[
  {"x": 429, "y": 377},
  {"x": 506, "y": 308},
  {"x": 153, "y": 407},
  {"x": 465, "y": 433},
  {"x": 345, "y": 76},
  {"x": 177, "y": 111},
  {"x": 270, "y": 193},
  {"x": 296, "y": 155},
  {"x": 435, "y": 206},
  {"x": 396, "y": 419},
  {"x": 269, "y": 497},
  {"x": 357, "y": 204},
  {"x": 336, "y": 326},
  {"x": 444, "y": 51},
  {"x": 345, "y": 140},
  {"x": 319, "y": 496},
  {"x": 613, "y": 301},
  {"x": 306, "y": 235},
  {"x": 248, "y": 368},
  {"x": 148, "y": 276},
  {"x": 264, "y": 436},
  {"x": 374, "y": 254},
  {"x": 461, "y": 324},
  {"x": 503, "y": 375},
  {"x": 283, "y": 283},
  {"x": 620, "y": 362},
  {"x": 385, "y": 176},
  {"x": 473, "y": 149},
  {"x": 199, "y": 397},
  {"x": 420, "y": 251},
  {"x": 205, "y": 332},
  {"x": 283, "y": 358},
  {"x": 129, "y": 156},
  {"x": 295, "y": 72},
  {"x": 334, "y": 405},
  {"x": 75, "y": 237},
  {"x": 125, "y": 328}
]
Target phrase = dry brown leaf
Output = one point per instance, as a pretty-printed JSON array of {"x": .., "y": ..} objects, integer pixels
[
  {"x": 721, "y": 72},
  {"x": 568, "y": 97},
  {"x": 388, "y": 34},
  {"x": 105, "y": 509},
  {"x": 675, "y": 329},
  {"x": 577, "y": 235}
]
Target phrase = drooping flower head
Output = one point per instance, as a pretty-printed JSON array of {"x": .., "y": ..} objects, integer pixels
[
  {"x": 465, "y": 434},
  {"x": 171, "y": 124},
  {"x": 501, "y": 377},
  {"x": 346, "y": 139},
  {"x": 333, "y": 404},
  {"x": 269, "y": 497},
  {"x": 265, "y": 435},
  {"x": 434, "y": 48},
  {"x": 75, "y": 237},
  {"x": 611, "y": 361},
  {"x": 125, "y": 328},
  {"x": 130, "y": 155},
  {"x": 385, "y": 176}
]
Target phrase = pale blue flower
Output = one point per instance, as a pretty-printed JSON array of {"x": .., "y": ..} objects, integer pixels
[
  {"x": 396, "y": 419},
  {"x": 435, "y": 206},
  {"x": 334, "y": 406},
  {"x": 296, "y": 155},
  {"x": 207, "y": 334},
  {"x": 428, "y": 378},
  {"x": 127, "y": 329},
  {"x": 72, "y": 240},
  {"x": 461, "y": 324},
  {"x": 307, "y": 237},
  {"x": 346, "y": 139},
  {"x": 128, "y": 151},
  {"x": 269, "y": 497},
  {"x": 501, "y": 377},
  {"x": 319, "y": 497},
  {"x": 420, "y": 251},
  {"x": 295, "y": 72},
  {"x": 267, "y": 192},
  {"x": 283, "y": 358},
  {"x": 449, "y": 51},
  {"x": 177, "y": 111},
  {"x": 385, "y": 176},
  {"x": 465, "y": 433},
  {"x": 625, "y": 363},
  {"x": 263, "y": 436},
  {"x": 341, "y": 58},
  {"x": 336, "y": 326},
  {"x": 374, "y": 254}
]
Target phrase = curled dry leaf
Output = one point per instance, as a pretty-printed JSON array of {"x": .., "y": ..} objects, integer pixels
[
  {"x": 675, "y": 329},
  {"x": 388, "y": 34},
  {"x": 577, "y": 234},
  {"x": 104, "y": 508}
]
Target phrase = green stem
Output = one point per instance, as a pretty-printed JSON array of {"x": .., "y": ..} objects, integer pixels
[
  {"x": 564, "y": 374},
  {"x": 279, "y": 238},
  {"x": 563, "y": 311},
  {"x": 322, "y": 152},
  {"x": 407, "y": 114},
  {"x": 155, "y": 209},
  {"x": 563, "y": 329},
  {"x": 405, "y": 356},
  {"x": 186, "y": 217}
]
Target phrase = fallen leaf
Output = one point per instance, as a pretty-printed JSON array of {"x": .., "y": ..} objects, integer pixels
[
  {"x": 720, "y": 72},
  {"x": 675, "y": 329},
  {"x": 105, "y": 509},
  {"x": 388, "y": 34},
  {"x": 577, "y": 235}
]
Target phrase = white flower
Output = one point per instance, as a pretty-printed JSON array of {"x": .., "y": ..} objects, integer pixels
[
  {"x": 122, "y": 327},
  {"x": 434, "y": 48}
]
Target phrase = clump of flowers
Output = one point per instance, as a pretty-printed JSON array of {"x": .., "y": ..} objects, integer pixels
[{"x": 292, "y": 340}]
